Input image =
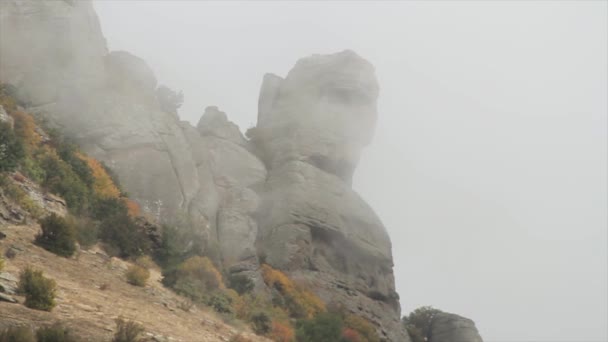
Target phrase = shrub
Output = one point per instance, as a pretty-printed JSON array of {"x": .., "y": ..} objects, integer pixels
[
  {"x": 11, "y": 149},
  {"x": 87, "y": 231},
  {"x": 261, "y": 323},
  {"x": 418, "y": 323},
  {"x": 137, "y": 275},
  {"x": 364, "y": 329},
  {"x": 63, "y": 181},
  {"x": 281, "y": 332},
  {"x": 169, "y": 100},
  {"x": 1, "y": 263},
  {"x": 17, "y": 334},
  {"x": 240, "y": 283},
  {"x": 122, "y": 234},
  {"x": 127, "y": 331},
  {"x": 39, "y": 291},
  {"x": 300, "y": 302},
  {"x": 325, "y": 327},
  {"x": 351, "y": 335},
  {"x": 194, "y": 278},
  {"x": 58, "y": 235},
  {"x": 221, "y": 302},
  {"x": 54, "y": 333}
]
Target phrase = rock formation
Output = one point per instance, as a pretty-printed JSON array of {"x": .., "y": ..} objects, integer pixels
[
  {"x": 447, "y": 327},
  {"x": 283, "y": 196}
]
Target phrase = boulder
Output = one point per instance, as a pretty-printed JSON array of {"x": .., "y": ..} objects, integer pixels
[{"x": 447, "y": 327}]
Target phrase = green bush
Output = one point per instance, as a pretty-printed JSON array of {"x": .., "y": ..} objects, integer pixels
[
  {"x": 123, "y": 235},
  {"x": 261, "y": 323},
  {"x": 17, "y": 334},
  {"x": 61, "y": 179},
  {"x": 418, "y": 323},
  {"x": 325, "y": 327},
  {"x": 11, "y": 149},
  {"x": 220, "y": 302},
  {"x": 1, "y": 263},
  {"x": 87, "y": 231},
  {"x": 240, "y": 283},
  {"x": 54, "y": 333},
  {"x": 127, "y": 331},
  {"x": 194, "y": 278},
  {"x": 137, "y": 275},
  {"x": 39, "y": 291},
  {"x": 58, "y": 235}
]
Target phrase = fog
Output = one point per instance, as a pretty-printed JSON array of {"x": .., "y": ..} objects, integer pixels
[{"x": 489, "y": 162}]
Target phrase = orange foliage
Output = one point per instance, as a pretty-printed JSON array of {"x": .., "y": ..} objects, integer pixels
[
  {"x": 351, "y": 335},
  {"x": 132, "y": 207},
  {"x": 25, "y": 127},
  {"x": 364, "y": 329},
  {"x": 281, "y": 333},
  {"x": 306, "y": 303},
  {"x": 103, "y": 184},
  {"x": 201, "y": 269}
]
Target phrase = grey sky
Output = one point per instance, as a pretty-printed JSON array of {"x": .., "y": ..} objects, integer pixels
[{"x": 489, "y": 162}]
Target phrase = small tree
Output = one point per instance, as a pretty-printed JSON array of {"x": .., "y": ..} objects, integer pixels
[
  {"x": 39, "y": 291},
  {"x": 418, "y": 323},
  {"x": 240, "y": 283},
  {"x": 58, "y": 235},
  {"x": 169, "y": 100}
]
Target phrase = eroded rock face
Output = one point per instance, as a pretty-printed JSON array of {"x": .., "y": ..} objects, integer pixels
[
  {"x": 311, "y": 129},
  {"x": 447, "y": 327},
  {"x": 324, "y": 112}
]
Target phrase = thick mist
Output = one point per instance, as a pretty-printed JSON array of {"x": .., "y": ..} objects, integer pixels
[{"x": 489, "y": 161}]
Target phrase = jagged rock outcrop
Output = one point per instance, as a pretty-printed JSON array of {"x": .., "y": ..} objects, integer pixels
[
  {"x": 311, "y": 129},
  {"x": 447, "y": 327}
]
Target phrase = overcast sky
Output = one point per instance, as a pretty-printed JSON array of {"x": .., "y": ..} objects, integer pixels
[{"x": 489, "y": 162}]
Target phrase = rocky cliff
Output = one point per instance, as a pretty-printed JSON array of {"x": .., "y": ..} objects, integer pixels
[{"x": 282, "y": 197}]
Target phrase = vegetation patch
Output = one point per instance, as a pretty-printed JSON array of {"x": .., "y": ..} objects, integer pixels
[
  {"x": 58, "y": 235},
  {"x": 39, "y": 291}
]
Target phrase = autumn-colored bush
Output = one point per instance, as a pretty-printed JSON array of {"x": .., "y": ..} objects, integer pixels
[
  {"x": 58, "y": 235},
  {"x": 195, "y": 278},
  {"x": 39, "y": 291},
  {"x": 280, "y": 332},
  {"x": 137, "y": 275},
  {"x": 364, "y": 329},
  {"x": 25, "y": 128},
  {"x": 133, "y": 209},
  {"x": 351, "y": 335},
  {"x": 103, "y": 185},
  {"x": 300, "y": 303}
]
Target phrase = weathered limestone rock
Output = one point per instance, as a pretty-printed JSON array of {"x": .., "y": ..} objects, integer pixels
[
  {"x": 311, "y": 128},
  {"x": 447, "y": 327},
  {"x": 324, "y": 112},
  {"x": 215, "y": 123}
]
